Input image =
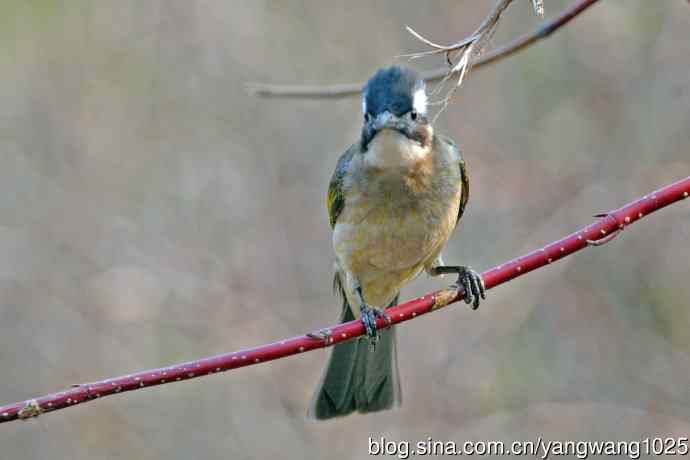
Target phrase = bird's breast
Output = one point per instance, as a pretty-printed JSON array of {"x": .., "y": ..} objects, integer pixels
[{"x": 397, "y": 219}]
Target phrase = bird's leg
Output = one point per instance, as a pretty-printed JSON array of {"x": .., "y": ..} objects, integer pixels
[
  {"x": 368, "y": 316},
  {"x": 470, "y": 280}
]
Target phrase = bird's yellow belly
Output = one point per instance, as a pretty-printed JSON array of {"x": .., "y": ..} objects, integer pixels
[{"x": 386, "y": 246}]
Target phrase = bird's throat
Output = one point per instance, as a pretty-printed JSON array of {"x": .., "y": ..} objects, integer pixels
[{"x": 392, "y": 150}]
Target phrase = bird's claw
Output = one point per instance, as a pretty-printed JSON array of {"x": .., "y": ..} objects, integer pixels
[
  {"x": 473, "y": 285},
  {"x": 369, "y": 315}
]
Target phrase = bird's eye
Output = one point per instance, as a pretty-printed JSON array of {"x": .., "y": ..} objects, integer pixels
[
  {"x": 413, "y": 114},
  {"x": 367, "y": 117}
]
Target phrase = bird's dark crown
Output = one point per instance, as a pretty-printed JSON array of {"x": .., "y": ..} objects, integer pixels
[{"x": 392, "y": 89}]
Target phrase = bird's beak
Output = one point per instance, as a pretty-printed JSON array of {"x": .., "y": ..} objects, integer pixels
[{"x": 385, "y": 120}]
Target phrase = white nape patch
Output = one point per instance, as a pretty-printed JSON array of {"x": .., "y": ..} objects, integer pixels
[
  {"x": 420, "y": 100},
  {"x": 391, "y": 149}
]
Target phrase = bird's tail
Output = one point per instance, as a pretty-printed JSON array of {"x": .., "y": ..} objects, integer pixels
[{"x": 358, "y": 378}]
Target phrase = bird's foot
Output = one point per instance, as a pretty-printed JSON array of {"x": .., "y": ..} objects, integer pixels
[
  {"x": 369, "y": 315},
  {"x": 471, "y": 282}
]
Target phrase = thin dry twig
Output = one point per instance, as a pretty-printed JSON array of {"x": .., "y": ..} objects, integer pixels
[
  {"x": 429, "y": 42},
  {"x": 538, "y": 6},
  {"x": 491, "y": 57},
  {"x": 470, "y": 48}
]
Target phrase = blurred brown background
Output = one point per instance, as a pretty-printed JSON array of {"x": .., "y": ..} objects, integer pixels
[{"x": 151, "y": 212}]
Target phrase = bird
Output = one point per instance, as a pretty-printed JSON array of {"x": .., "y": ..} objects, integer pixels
[{"x": 393, "y": 201}]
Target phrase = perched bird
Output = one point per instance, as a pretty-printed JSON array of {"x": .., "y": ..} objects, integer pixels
[{"x": 393, "y": 201}]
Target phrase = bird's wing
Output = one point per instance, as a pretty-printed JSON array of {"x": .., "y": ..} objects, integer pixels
[
  {"x": 336, "y": 195},
  {"x": 464, "y": 177}
]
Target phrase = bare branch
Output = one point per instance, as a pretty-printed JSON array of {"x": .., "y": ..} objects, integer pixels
[
  {"x": 596, "y": 234},
  {"x": 491, "y": 57},
  {"x": 469, "y": 47}
]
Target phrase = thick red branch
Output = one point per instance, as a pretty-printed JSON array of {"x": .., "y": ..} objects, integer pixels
[{"x": 600, "y": 231}]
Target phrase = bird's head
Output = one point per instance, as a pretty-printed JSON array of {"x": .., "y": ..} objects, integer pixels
[{"x": 395, "y": 98}]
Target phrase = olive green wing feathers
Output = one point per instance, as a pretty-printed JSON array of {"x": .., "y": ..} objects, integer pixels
[
  {"x": 335, "y": 201},
  {"x": 464, "y": 177}
]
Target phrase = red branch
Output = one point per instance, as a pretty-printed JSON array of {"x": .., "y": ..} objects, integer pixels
[{"x": 599, "y": 232}]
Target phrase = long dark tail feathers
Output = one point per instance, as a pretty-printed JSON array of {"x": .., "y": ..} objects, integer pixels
[{"x": 357, "y": 379}]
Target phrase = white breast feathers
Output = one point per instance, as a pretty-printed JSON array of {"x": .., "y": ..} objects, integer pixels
[{"x": 391, "y": 149}]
